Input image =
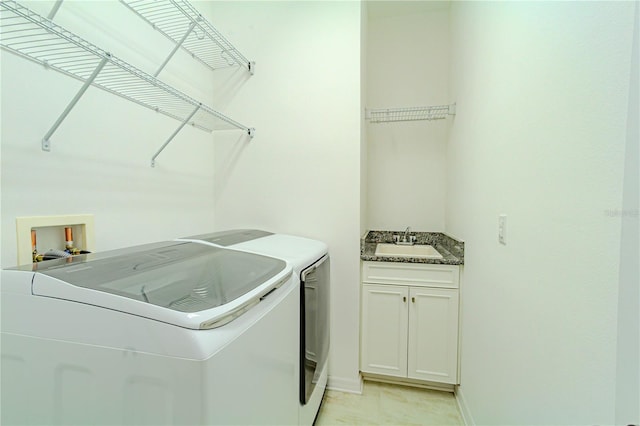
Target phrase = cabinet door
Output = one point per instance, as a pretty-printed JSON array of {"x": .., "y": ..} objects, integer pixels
[
  {"x": 433, "y": 334},
  {"x": 384, "y": 330}
]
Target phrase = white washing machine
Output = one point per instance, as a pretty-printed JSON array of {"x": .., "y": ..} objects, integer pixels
[
  {"x": 168, "y": 333},
  {"x": 310, "y": 261}
]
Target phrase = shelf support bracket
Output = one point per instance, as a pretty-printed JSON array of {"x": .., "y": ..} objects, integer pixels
[
  {"x": 175, "y": 48},
  {"x": 54, "y": 10},
  {"x": 153, "y": 159},
  {"x": 46, "y": 144}
]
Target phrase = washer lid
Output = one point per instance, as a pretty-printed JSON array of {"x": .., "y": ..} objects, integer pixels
[
  {"x": 230, "y": 237},
  {"x": 187, "y": 284}
]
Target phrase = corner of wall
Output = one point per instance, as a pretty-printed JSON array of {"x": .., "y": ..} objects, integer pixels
[
  {"x": 628, "y": 345},
  {"x": 464, "y": 408},
  {"x": 343, "y": 384},
  {"x": 364, "y": 217}
]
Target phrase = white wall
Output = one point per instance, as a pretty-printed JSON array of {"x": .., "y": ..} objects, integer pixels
[
  {"x": 542, "y": 91},
  {"x": 301, "y": 173},
  {"x": 407, "y": 66},
  {"x": 99, "y": 162}
]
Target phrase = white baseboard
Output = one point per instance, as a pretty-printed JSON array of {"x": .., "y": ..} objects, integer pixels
[
  {"x": 464, "y": 408},
  {"x": 345, "y": 385}
]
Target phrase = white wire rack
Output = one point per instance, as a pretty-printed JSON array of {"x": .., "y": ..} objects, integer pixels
[
  {"x": 181, "y": 23},
  {"x": 33, "y": 37},
  {"x": 437, "y": 112}
]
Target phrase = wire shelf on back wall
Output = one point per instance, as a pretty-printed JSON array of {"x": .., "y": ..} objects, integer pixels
[{"x": 387, "y": 115}]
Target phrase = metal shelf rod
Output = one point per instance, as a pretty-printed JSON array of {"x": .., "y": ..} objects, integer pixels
[
  {"x": 54, "y": 9},
  {"x": 175, "y": 49},
  {"x": 153, "y": 159},
  {"x": 46, "y": 144}
]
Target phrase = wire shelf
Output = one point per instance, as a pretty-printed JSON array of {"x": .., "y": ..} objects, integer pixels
[
  {"x": 33, "y": 37},
  {"x": 181, "y": 23},
  {"x": 438, "y": 112}
]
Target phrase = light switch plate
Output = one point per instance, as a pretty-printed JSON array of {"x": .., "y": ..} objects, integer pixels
[{"x": 502, "y": 229}]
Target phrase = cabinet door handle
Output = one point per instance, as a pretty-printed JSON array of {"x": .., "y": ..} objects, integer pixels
[
  {"x": 404, "y": 298},
  {"x": 413, "y": 300}
]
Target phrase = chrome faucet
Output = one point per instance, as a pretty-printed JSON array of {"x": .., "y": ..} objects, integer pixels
[
  {"x": 406, "y": 240},
  {"x": 406, "y": 231}
]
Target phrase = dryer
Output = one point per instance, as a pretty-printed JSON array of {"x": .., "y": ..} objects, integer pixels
[
  {"x": 167, "y": 333},
  {"x": 311, "y": 264}
]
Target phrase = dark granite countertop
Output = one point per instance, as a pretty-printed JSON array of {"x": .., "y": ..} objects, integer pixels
[{"x": 452, "y": 250}]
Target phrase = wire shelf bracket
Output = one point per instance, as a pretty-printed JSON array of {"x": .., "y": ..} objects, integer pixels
[
  {"x": 33, "y": 37},
  {"x": 175, "y": 49},
  {"x": 388, "y": 115},
  {"x": 181, "y": 23},
  {"x": 153, "y": 159},
  {"x": 54, "y": 9},
  {"x": 46, "y": 143}
]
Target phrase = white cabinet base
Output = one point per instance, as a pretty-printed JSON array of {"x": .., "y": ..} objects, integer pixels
[{"x": 409, "y": 327}]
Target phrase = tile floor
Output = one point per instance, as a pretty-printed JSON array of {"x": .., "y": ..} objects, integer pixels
[{"x": 386, "y": 404}]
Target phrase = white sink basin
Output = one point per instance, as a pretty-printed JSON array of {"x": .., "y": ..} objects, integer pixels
[{"x": 419, "y": 251}]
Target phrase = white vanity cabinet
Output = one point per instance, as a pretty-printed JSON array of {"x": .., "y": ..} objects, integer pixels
[{"x": 410, "y": 321}]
